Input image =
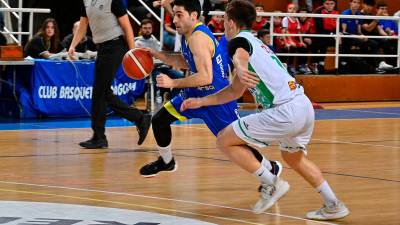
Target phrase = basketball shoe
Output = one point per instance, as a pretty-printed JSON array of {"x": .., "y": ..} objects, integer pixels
[
  {"x": 270, "y": 194},
  {"x": 151, "y": 169},
  {"x": 329, "y": 211}
]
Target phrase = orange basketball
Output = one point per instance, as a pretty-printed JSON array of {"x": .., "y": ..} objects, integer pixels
[{"x": 137, "y": 63}]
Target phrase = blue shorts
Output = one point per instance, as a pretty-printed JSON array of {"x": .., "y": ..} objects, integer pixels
[{"x": 217, "y": 117}]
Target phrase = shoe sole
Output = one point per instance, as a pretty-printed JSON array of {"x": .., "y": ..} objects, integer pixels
[
  {"x": 168, "y": 171},
  {"x": 339, "y": 216},
  {"x": 276, "y": 199},
  {"x": 102, "y": 147}
]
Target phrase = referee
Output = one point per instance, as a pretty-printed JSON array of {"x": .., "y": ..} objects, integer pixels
[{"x": 113, "y": 35}]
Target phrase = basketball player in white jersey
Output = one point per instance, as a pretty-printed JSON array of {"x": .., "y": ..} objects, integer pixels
[{"x": 288, "y": 115}]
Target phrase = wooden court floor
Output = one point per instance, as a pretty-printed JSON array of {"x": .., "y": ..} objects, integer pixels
[{"x": 359, "y": 157}]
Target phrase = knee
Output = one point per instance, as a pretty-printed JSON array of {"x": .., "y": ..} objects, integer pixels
[
  {"x": 221, "y": 144},
  {"x": 293, "y": 159}
]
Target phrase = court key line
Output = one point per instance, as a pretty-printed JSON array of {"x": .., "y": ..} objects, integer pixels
[{"x": 153, "y": 197}]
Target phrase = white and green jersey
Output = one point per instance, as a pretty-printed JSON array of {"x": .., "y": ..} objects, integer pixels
[{"x": 276, "y": 85}]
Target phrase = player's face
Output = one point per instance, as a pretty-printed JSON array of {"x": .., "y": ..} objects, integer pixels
[
  {"x": 49, "y": 29},
  {"x": 183, "y": 21}
]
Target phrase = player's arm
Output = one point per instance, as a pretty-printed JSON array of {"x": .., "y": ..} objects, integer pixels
[
  {"x": 175, "y": 60},
  {"x": 202, "y": 49},
  {"x": 232, "y": 92}
]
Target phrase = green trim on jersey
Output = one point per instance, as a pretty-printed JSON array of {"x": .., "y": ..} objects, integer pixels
[{"x": 261, "y": 93}]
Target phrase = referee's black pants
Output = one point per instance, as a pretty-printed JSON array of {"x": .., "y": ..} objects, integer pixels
[{"x": 109, "y": 57}]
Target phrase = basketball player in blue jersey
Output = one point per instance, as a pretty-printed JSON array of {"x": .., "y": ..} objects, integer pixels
[{"x": 202, "y": 56}]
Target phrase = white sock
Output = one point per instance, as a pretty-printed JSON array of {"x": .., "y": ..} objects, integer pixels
[
  {"x": 265, "y": 162},
  {"x": 165, "y": 153},
  {"x": 264, "y": 176},
  {"x": 326, "y": 192}
]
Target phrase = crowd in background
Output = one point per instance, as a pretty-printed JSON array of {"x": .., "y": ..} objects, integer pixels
[{"x": 47, "y": 40}]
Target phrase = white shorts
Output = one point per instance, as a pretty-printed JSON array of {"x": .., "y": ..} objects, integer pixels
[{"x": 291, "y": 124}]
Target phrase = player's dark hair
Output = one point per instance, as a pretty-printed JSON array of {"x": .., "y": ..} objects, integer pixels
[{"x": 190, "y": 6}]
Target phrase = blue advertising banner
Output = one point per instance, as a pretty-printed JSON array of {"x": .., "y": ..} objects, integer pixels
[{"x": 64, "y": 88}]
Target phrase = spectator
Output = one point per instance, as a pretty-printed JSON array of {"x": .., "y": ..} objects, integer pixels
[
  {"x": 370, "y": 28},
  {"x": 324, "y": 26},
  {"x": 260, "y": 21},
  {"x": 279, "y": 41},
  {"x": 291, "y": 25},
  {"x": 216, "y": 24},
  {"x": 46, "y": 42},
  {"x": 85, "y": 44},
  {"x": 387, "y": 28},
  {"x": 307, "y": 26},
  {"x": 147, "y": 40},
  {"x": 353, "y": 27}
]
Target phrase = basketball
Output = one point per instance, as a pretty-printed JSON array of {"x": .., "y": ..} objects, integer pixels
[{"x": 137, "y": 63}]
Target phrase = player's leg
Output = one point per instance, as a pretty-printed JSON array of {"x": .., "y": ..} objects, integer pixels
[
  {"x": 294, "y": 153},
  {"x": 221, "y": 116},
  {"x": 161, "y": 124},
  {"x": 333, "y": 208},
  {"x": 232, "y": 143}
]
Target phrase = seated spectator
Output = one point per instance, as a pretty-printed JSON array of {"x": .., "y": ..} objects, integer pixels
[
  {"x": 307, "y": 26},
  {"x": 260, "y": 21},
  {"x": 85, "y": 44},
  {"x": 324, "y": 26},
  {"x": 387, "y": 28},
  {"x": 46, "y": 42},
  {"x": 279, "y": 41},
  {"x": 370, "y": 27},
  {"x": 147, "y": 40},
  {"x": 264, "y": 36},
  {"x": 291, "y": 25},
  {"x": 352, "y": 27},
  {"x": 216, "y": 24}
]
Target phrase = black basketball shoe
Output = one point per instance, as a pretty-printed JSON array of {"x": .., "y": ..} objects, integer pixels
[{"x": 151, "y": 169}]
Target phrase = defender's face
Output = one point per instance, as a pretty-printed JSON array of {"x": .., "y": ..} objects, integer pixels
[
  {"x": 183, "y": 20},
  {"x": 229, "y": 28}
]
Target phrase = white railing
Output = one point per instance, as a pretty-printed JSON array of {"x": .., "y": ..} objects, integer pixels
[
  {"x": 31, "y": 11},
  {"x": 337, "y": 35}
]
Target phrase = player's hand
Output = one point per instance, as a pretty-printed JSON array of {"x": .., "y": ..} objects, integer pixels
[
  {"x": 248, "y": 78},
  {"x": 191, "y": 103},
  {"x": 71, "y": 53},
  {"x": 164, "y": 81},
  {"x": 153, "y": 52}
]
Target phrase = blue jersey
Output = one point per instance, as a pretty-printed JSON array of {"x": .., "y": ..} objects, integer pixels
[
  {"x": 217, "y": 117},
  {"x": 219, "y": 65}
]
